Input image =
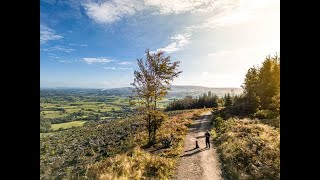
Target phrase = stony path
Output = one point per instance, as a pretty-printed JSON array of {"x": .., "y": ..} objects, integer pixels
[{"x": 201, "y": 163}]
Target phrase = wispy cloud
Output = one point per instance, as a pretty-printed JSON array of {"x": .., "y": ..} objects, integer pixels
[
  {"x": 114, "y": 10},
  {"x": 217, "y": 15},
  {"x": 221, "y": 52},
  {"x": 64, "y": 61},
  {"x": 213, "y": 13},
  {"x": 178, "y": 42},
  {"x": 48, "y": 34},
  {"x": 179, "y": 6},
  {"x": 54, "y": 57},
  {"x": 113, "y": 68},
  {"x": 234, "y": 12},
  {"x": 125, "y": 63},
  {"x": 96, "y": 60},
  {"x": 122, "y": 68},
  {"x": 117, "y": 68},
  {"x": 79, "y": 45},
  {"x": 207, "y": 14},
  {"x": 59, "y": 48},
  {"x": 111, "y": 11}
]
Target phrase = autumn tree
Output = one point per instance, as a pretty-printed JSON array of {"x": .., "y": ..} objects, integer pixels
[
  {"x": 251, "y": 99},
  {"x": 262, "y": 86},
  {"x": 269, "y": 81},
  {"x": 151, "y": 84}
]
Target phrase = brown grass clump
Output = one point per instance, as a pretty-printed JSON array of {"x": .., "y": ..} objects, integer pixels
[
  {"x": 136, "y": 164},
  {"x": 247, "y": 148}
]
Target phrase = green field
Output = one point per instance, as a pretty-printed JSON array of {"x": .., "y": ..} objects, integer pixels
[
  {"x": 67, "y": 125},
  {"x": 68, "y": 111},
  {"x": 54, "y": 109}
]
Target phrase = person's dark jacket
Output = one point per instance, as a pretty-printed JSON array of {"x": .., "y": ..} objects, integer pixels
[{"x": 207, "y": 136}]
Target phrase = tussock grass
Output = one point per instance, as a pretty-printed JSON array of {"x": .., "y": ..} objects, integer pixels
[
  {"x": 150, "y": 163},
  {"x": 248, "y": 149},
  {"x": 136, "y": 164}
]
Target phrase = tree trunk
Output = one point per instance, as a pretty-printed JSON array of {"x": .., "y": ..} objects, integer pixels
[
  {"x": 155, "y": 120},
  {"x": 149, "y": 128}
]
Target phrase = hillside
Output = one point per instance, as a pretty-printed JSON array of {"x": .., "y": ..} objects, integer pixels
[{"x": 114, "y": 149}]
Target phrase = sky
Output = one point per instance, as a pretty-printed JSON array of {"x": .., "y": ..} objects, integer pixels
[{"x": 95, "y": 43}]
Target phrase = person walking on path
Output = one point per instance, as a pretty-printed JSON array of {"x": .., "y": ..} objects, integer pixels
[{"x": 207, "y": 139}]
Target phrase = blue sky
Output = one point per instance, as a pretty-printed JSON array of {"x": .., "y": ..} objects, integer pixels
[{"x": 95, "y": 44}]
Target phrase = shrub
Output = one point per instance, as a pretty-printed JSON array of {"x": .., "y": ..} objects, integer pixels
[
  {"x": 265, "y": 114},
  {"x": 218, "y": 122}
]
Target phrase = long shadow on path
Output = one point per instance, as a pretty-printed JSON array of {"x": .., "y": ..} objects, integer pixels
[{"x": 195, "y": 152}]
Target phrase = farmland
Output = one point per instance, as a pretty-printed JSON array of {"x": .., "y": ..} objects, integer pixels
[
  {"x": 67, "y": 125},
  {"x": 64, "y": 108},
  {"x": 63, "y": 105}
]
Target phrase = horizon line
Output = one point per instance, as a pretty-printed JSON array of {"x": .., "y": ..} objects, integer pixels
[{"x": 64, "y": 87}]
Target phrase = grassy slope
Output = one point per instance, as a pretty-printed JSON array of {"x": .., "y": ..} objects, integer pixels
[
  {"x": 86, "y": 152},
  {"x": 66, "y": 154},
  {"x": 248, "y": 149},
  {"x": 152, "y": 163}
]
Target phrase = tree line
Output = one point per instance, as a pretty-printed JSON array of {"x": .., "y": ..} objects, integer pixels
[
  {"x": 207, "y": 100},
  {"x": 261, "y": 96}
]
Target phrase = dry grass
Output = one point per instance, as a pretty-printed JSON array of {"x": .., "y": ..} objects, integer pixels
[
  {"x": 151, "y": 163},
  {"x": 248, "y": 149},
  {"x": 137, "y": 164}
]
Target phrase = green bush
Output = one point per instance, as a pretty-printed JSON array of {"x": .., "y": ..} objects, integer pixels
[
  {"x": 266, "y": 114},
  {"x": 218, "y": 122}
]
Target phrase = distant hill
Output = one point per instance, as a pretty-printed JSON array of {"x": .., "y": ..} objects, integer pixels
[
  {"x": 177, "y": 91},
  {"x": 182, "y": 91}
]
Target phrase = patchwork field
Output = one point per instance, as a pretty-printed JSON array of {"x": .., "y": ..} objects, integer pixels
[{"x": 67, "y": 125}]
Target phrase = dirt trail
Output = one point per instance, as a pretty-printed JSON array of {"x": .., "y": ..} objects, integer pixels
[{"x": 201, "y": 163}]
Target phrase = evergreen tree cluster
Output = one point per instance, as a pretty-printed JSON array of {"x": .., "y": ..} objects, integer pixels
[
  {"x": 206, "y": 100},
  {"x": 261, "y": 90}
]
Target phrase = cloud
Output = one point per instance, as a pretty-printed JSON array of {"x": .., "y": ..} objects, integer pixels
[
  {"x": 221, "y": 52},
  {"x": 125, "y": 63},
  {"x": 219, "y": 14},
  {"x": 179, "y": 41},
  {"x": 96, "y": 60},
  {"x": 232, "y": 12},
  {"x": 59, "y": 48},
  {"x": 121, "y": 68},
  {"x": 64, "y": 61},
  {"x": 76, "y": 44},
  {"x": 212, "y": 54},
  {"x": 117, "y": 68},
  {"x": 165, "y": 7},
  {"x": 204, "y": 74},
  {"x": 113, "y": 68},
  {"x": 216, "y": 12},
  {"x": 54, "y": 57},
  {"x": 47, "y": 34},
  {"x": 111, "y": 11}
]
